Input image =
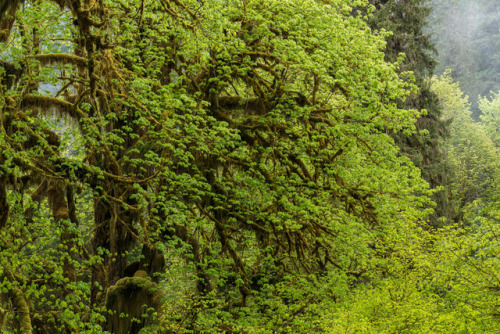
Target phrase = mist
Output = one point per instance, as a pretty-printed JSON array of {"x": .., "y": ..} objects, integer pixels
[{"x": 466, "y": 34}]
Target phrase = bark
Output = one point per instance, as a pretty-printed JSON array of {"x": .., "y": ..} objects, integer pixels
[
  {"x": 114, "y": 232},
  {"x": 130, "y": 298},
  {"x": 60, "y": 212}
]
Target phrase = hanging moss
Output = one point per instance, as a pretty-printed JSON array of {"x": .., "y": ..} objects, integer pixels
[
  {"x": 44, "y": 104},
  {"x": 10, "y": 74},
  {"x": 61, "y": 58}
]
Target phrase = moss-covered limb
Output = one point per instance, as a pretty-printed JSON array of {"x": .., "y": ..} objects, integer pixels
[
  {"x": 49, "y": 142},
  {"x": 8, "y": 10},
  {"x": 3, "y": 318},
  {"x": 170, "y": 10},
  {"x": 22, "y": 309},
  {"x": 36, "y": 197},
  {"x": 20, "y": 303},
  {"x": 35, "y": 167},
  {"x": 70, "y": 198},
  {"x": 4, "y": 204},
  {"x": 115, "y": 230}
]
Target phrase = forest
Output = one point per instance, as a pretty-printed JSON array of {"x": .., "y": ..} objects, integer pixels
[{"x": 249, "y": 166}]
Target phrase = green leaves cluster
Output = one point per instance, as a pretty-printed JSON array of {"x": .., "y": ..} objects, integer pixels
[{"x": 471, "y": 153}]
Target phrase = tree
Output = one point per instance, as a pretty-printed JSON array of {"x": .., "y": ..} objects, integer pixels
[
  {"x": 446, "y": 280},
  {"x": 471, "y": 154},
  {"x": 490, "y": 118},
  {"x": 406, "y": 23},
  {"x": 244, "y": 145}
]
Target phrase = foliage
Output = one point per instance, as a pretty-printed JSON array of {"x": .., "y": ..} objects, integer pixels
[
  {"x": 471, "y": 154},
  {"x": 468, "y": 271},
  {"x": 406, "y": 21},
  {"x": 245, "y": 143},
  {"x": 451, "y": 287},
  {"x": 438, "y": 281},
  {"x": 490, "y": 117}
]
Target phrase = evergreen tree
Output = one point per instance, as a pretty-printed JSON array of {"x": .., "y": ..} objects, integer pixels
[{"x": 406, "y": 20}]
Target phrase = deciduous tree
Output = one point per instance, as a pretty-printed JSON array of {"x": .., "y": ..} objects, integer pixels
[{"x": 236, "y": 152}]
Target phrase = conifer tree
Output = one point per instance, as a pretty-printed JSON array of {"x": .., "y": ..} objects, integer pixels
[{"x": 406, "y": 20}]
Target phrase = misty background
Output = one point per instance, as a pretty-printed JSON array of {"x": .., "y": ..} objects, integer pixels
[{"x": 466, "y": 34}]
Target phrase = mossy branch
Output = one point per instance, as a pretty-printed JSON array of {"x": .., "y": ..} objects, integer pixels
[
  {"x": 20, "y": 303},
  {"x": 45, "y": 103},
  {"x": 60, "y": 58}
]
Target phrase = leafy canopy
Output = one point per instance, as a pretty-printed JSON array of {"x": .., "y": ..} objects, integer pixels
[{"x": 244, "y": 142}]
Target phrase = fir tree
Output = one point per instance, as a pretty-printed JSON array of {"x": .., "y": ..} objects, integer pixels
[{"x": 406, "y": 19}]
